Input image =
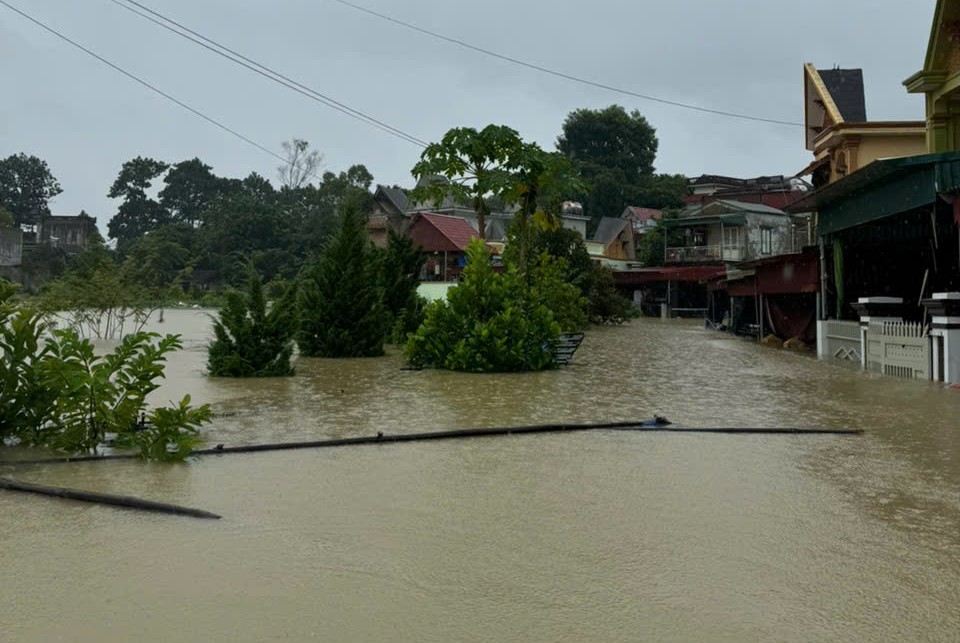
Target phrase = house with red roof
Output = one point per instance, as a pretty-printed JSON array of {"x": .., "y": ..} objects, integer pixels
[
  {"x": 443, "y": 238},
  {"x": 641, "y": 219}
]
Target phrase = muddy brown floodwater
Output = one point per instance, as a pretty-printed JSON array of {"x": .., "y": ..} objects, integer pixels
[{"x": 599, "y": 536}]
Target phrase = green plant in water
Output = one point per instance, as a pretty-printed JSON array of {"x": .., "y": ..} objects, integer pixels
[
  {"x": 489, "y": 323},
  {"x": 99, "y": 395},
  {"x": 251, "y": 341},
  {"x": 24, "y": 402}
]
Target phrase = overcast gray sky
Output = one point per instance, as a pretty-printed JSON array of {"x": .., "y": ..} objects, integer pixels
[{"x": 85, "y": 119}]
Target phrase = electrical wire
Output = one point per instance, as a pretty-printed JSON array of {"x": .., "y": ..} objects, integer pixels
[
  {"x": 152, "y": 88},
  {"x": 226, "y": 52},
  {"x": 560, "y": 74}
]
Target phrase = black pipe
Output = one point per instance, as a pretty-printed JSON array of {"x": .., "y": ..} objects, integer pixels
[{"x": 104, "y": 499}]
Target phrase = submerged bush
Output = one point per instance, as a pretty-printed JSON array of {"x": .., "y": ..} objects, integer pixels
[
  {"x": 55, "y": 391},
  {"x": 490, "y": 322},
  {"x": 251, "y": 341}
]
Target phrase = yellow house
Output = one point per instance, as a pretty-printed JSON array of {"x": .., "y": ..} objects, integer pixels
[
  {"x": 940, "y": 79},
  {"x": 837, "y": 130}
]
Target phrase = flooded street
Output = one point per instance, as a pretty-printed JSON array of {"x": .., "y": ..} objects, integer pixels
[{"x": 598, "y": 536}]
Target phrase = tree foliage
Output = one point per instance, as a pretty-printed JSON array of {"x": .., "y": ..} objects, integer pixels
[
  {"x": 606, "y": 304},
  {"x": 139, "y": 213},
  {"x": 301, "y": 165},
  {"x": 341, "y": 300},
  {"x": 57, "y": 391},
  {"x": 490, "y": 322},
  {"x": 26, "y": 187},
  {"x": 400, "y": 267},
  {"x": 473, "y": 164},
  {"x": 614, "y": 151},
  {"x": 250, "y": 340}
]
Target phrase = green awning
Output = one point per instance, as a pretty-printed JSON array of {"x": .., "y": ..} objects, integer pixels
[{"x": 882, "y": 189}]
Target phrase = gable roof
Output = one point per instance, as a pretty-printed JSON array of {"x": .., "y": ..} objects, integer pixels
[
  {"x": 440, "y": 232},
  {"x": 642, "y": 214},
  {"x": 742, "y": 206},
  {"x": 395, "y": 196},
  {"x": 846, "y": 89},
  {"x": 607, "y": 230}
]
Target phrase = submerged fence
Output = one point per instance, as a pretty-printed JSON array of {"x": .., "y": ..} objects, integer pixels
[
  {"x": 842, "y": 339},
  {"x": 899, "y": 349}
]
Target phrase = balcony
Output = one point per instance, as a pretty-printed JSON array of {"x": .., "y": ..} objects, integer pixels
[{"x": 705, "y": 254}]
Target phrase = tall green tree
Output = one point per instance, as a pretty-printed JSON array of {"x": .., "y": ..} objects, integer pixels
[
  {"x": 191, "y": 188},
  {"x": 473, "y": 164},
  {"x": 400, "y": 267},
  {"x": 341, "y": 300},
  {"x": 139, "y": 213},
  {"x": 250, "y": 340},
  {"x": 26, "y": 187},
  {"x": 614, "y": 151}
]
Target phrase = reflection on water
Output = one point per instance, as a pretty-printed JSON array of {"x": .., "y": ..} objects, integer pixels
[{"x": 606, "y": 536}]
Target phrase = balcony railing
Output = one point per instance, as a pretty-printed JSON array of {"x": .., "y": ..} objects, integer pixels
[{"x": 704, "y": 254}]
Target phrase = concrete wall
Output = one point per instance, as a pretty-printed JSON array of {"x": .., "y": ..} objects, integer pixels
[{"x": 11, "y": 247}]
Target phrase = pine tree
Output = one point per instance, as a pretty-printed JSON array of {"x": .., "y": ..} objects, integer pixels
[
  {"x": 251, "y": 341},
  {"x": 341, "y": 299},
  {"x": 400, "y": 267}
]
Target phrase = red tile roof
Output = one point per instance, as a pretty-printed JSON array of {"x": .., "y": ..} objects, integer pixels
[{"x": 440, "y": 232}]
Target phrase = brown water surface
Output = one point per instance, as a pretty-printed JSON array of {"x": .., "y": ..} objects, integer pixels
[{"x": 600, "y": 536}]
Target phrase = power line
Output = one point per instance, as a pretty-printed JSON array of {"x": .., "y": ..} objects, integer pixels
[
  {"x": 152, "y": 88},
  {"x": 222, "y": 50},
  {"x": 560, "y": 74}
]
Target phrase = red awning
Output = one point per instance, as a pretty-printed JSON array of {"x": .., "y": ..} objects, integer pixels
[{"x": 668, "y": 273}]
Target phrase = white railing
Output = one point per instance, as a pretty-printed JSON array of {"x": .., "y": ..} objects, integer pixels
[{"x": 842, "y": 339}]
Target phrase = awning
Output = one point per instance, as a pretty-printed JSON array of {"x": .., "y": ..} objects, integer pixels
[
  {"x": 668, "y": 273},
  {"x": 810, "y": 169},
  {"x": 882, "y": 189},
  {"x": 785, "y": 274}
]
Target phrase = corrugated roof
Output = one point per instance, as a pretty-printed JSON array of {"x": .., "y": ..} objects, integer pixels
[
  {"x": 456, "y": 230},
  {"x": 607, "y": 230},
  {"x": 397, "y": 196},
  {"x": 846, "y": 89}
]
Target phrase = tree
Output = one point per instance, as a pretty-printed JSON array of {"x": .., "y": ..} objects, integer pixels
[
  {"x": 341, "y": 301},
  {"x": 250, "y": 340},
  {"x": 301, "y": 165},
  {"x": 26, "y": 187},
  {"x": 607, "y": 306},
  {"x": 6, "y": 218},
  {"x": 138, "y": 214},
  {"x": 400, "y": 269},
  {"x": 191, "y": 189},
  {"x": 614, "y": 151},
  {"x": 473, "y": 165}
]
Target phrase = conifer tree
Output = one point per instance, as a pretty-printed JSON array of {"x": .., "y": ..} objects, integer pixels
[
  {"x": 250, "y": 340},
  {"x": 341, "y": 299},
  {"x": 400, "y": 266}
]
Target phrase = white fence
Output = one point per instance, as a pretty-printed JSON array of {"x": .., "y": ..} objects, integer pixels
[
  {"x": 842, "y": 339},
  {"x": 900, "y": 349}
]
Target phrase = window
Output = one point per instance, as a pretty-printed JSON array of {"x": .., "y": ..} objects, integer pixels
[
  {"x": 731, "y": 237},
  {"x": 766, "y": 241}
]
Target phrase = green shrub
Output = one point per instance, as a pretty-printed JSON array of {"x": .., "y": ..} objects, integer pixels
[
  {"x": 607, "y": 306},
  {"x": 489, "y": 323},
  {"x": 251, "y": 341}
]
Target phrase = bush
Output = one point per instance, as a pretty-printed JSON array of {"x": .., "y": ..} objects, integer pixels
[
  {"x": 56, "y": 391},
  {"x": 489, "y": 323},
  {"x": 249, "y": 340},
  {"x": 400, "y": 272},
  {"x": 607, "y": 306}
]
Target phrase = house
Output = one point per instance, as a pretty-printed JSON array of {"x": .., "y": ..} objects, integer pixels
[
  {"x": 642, "y": 220},
  {"x": 388, "y": 211},
  {"x": 444, "y": 239},
  {"x": 613, "y": 239},
  {"x": 775, "y": 191},
  {"x": 938, "y": 80},
  {"x": 72, "y": 233},
  {"x": 728, "y": 232},
  {"x": 837, "y": 130}
]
